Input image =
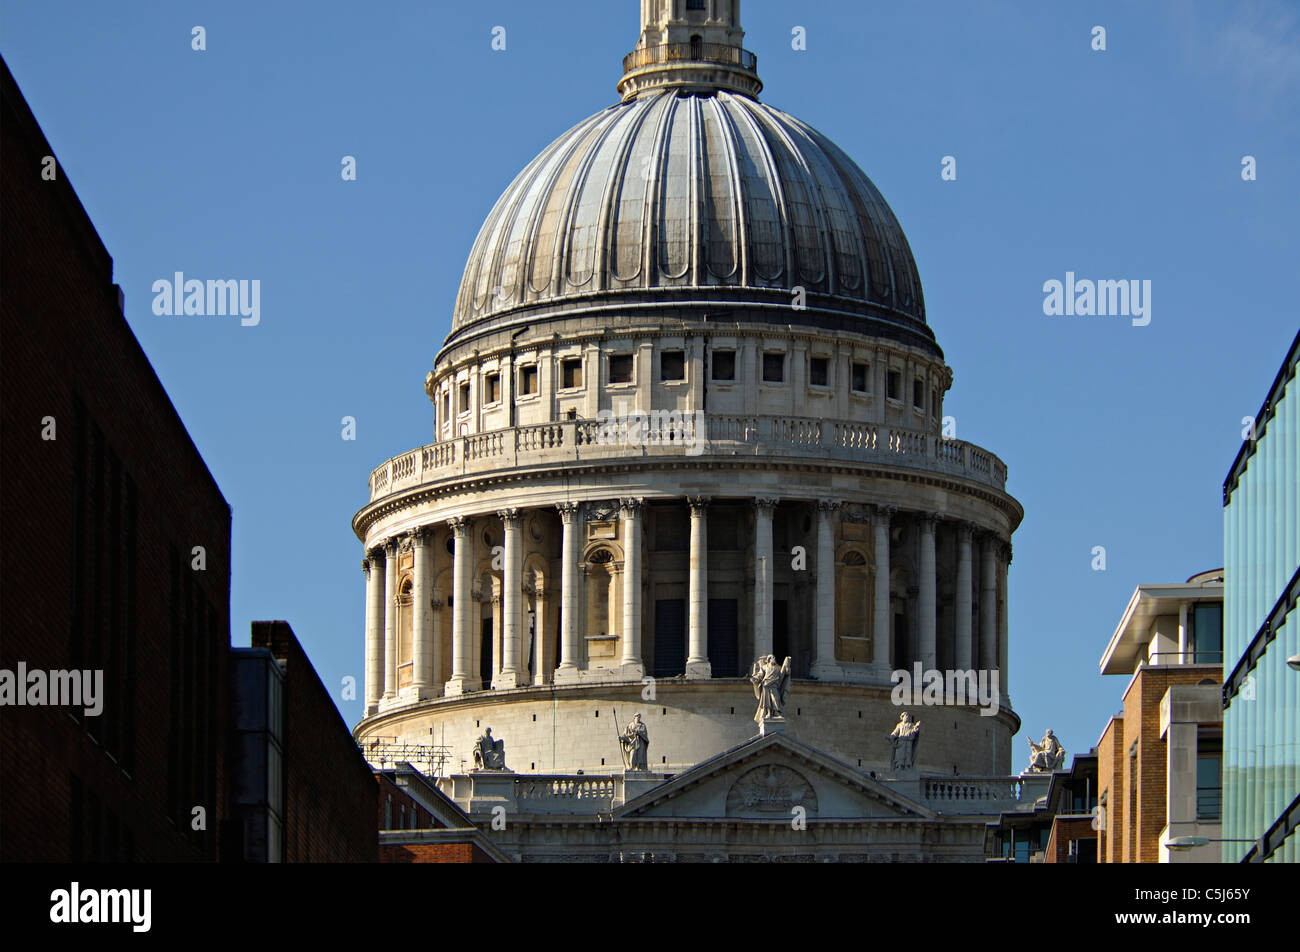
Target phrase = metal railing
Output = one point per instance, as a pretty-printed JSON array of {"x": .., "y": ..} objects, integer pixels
[{"x": 691, "y": 53}]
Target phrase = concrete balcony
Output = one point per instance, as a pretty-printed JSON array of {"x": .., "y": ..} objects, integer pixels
[{"x": 668, "y": 436}]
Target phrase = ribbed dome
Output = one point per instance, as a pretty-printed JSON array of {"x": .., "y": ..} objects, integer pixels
[{"x": 672, "y": 191}]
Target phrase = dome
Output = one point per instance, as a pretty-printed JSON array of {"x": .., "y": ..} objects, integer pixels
[{"x": 707, "y": 196}]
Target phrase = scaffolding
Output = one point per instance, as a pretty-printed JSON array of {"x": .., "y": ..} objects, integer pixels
[{"x": 386, "y": 752}]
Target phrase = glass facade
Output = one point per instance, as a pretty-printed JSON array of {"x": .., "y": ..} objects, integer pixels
[{"x": 1261, "y": 724}]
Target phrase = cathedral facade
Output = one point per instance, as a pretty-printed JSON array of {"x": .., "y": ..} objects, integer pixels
[{"x": 690, "y": 415}]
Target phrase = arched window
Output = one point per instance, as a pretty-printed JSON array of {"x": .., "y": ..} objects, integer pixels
[{"x": 697, "y": 47}]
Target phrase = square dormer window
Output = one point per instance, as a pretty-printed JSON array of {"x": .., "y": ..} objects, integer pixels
[
  {"x": 672, "y": 365},
  {"x": 774, "y": 368},
  {"x": 860, "y": 378},
  {"x": 620, "y": 368},
  {"x": 492, "y": 388},
  {"x": 724, "y": 365},
  {"x": 527, "y": 380},
  {"x": 571, "y": 373},
  {"x": 819, "y": 371}
]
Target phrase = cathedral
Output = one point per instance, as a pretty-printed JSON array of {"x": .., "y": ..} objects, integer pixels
[{"x": 689, "y": 514}]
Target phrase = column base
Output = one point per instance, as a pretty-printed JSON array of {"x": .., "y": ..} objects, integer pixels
[
  {"x": 631, "y": 671},
  {"x": 698, "y": 670},
  {"x": 458, "y": 686},
  {"x": 771, "y": 725},
  {"x": 508, "y": 680},
  {"x": 827, "y": 671},
  {"x": 569, "y": 675}
]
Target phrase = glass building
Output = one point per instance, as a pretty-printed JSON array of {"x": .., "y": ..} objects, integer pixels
[{"x": 1261, "y": 631}]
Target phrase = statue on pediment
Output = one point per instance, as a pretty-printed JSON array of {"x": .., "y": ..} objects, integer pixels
[
  {"x": 635, "y": 742},
  {"x": 903, "y": 738},
  {"x": 771, "y": 686},
  {"x": 489, "y": 754}
]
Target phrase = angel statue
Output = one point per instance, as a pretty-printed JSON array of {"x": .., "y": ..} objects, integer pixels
[
  {"x": 771, "y": 685},
  {"x": 1047, "y": 756}
]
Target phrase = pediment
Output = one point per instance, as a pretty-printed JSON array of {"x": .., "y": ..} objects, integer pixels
[{"x": 766, "y": 779}]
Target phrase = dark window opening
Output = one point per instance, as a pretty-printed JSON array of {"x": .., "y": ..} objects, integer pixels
[
  {"x": 571, "y": 373},
  {"x": 724, "y": 365},
  {"x": 672, "y": 365},
  {"x": 774, "y": 368},
  {"x": 860, "y": 378},
  {"x": 918, "y": 394},
  {"x": 464, "y": 398},
  {"x": 527, "y": 380},
  {"x": 492, "y": 384},
  {"x": 895, "y": 387},
  {"x": 620, "y": 368},
  {"x": 818, "y": 371}
]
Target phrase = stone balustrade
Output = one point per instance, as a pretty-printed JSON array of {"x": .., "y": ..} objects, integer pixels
[
  {"x": 674, "y": 435},
  {"x": 982, "y": 794}
]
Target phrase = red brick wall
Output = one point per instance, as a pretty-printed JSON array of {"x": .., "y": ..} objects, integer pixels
[
  {"x": 64, "y": 338},
  {"x": 1063, "y": 831},
  {"x": 1110, "y": 785},
  {"x": 433, "y": 853},
  {"x": 329, "y": 787},
  {"x": 393, "y": 797}
]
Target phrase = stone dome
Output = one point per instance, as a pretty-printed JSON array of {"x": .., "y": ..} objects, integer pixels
[{"x": 695, "y": 196}]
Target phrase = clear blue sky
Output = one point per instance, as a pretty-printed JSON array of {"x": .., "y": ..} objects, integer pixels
[{"x": 1116, "y": 164}]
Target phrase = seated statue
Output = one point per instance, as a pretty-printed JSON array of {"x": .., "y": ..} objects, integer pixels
[
  {"x": 489, "y": 754},
  {"x": 1047, "y": 756}
]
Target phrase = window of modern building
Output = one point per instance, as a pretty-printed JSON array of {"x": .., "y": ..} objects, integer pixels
[
  {"x": 492, "y": 388},
  {"x": 571, "y": 373},
  {"x": 672, "y": 365},
  {"x": 724, "y": 365},
  {"x": 620, "y": 368},
  {"x": 918, "y": 393},
  {"x": 1207, "y": 632},
  {"x": 818, "y": 371},
  {"x": 860, "y": 378},
  {"x": 894, "y": 389},
  {"x": 527, "y": 380},
  {"x": 774, "y": 368},
  {"x": 464, "y": 398},
  {"x": 1209, "y": 778}
]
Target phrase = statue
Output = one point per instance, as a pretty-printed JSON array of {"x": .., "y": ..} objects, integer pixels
[
  {"x": 1047, "y": 756},
  {"x": 489, "y": 754},
  {"x": 636, "y": 743},
  {"x": 903, "y": 738},
  {"x": 771, "y": 686}
]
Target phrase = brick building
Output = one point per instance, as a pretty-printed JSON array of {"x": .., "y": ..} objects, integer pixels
[
  {"x": 419, "y": 823},
  {"x": 1159, "y": 760},
  {"x": 1059, "y": 828},
  {"x": 105, "y": 501}
]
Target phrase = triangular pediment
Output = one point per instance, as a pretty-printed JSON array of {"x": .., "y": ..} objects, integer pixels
[{"x": 767, "y": 778}]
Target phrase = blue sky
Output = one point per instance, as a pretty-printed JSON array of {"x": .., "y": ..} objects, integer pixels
[{"x": 1117, "y": 164}]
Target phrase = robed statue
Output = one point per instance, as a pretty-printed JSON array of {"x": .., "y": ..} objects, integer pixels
[
  {"x": 636, "y": 744},
  {"x": 1047, "y": 756},
  {"x": 903, "y": 738},
  {"x": 489, "y": 754},
  {"x": 771, "y": 686}
]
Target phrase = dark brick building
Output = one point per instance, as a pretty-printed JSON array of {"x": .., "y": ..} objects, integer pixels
[{"x": 105, "y": 498}]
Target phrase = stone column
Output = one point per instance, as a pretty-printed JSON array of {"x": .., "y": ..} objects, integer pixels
[
  {"x": 374, "y": 567},
  {"x": 964, "y": 598},
  {"x": 390, "y": 620},
  {"x": 462, "y": 602},
  {"x": 1004, "y": 565},
  {"x": 697, "y": 660},
  {"x": 882, "y": 635},
  {"x": 512, "y": 586},
  {"x": 570, "y": 515},
  {"x": 988, "y": 604},
  {"x": 631, "y": 665},
  {"x": 764, "y": 567},
  {"x": 421, "y": 620},
  {"x": 927, "y": 585},
  {"x": 539, "y": 635},
  {"x": 824, "y": 665}
]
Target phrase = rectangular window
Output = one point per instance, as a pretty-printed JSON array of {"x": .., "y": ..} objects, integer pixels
[
  {"x": 918, "y": 394},
  {"x": 1209, "y": 778},
  {"x": 492, "y": 386},
  {"x": 818, "y": 371},
  {"x": 527, "y": 380},
  {"x": 1207, "y": 632},
  {"x": 446, "y": 406},
  {"x": 895, "y": 385},
  {"x": 464, "y": 398},
  {"x": 774, "y": 368},
  {"x": 672, "y": 365},
  {"x": 860, "y": 378},
  {"x": 571, "y": 373},
  {"x": 620, "y": 368},
  {"x": 724, "y": 365},
  {"x": 934, "y": 403}
]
